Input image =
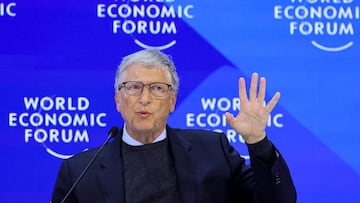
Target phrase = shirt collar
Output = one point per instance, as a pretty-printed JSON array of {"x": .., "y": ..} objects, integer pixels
[{"x": 132, "y": 142}]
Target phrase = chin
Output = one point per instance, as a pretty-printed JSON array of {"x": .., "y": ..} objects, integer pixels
[{"x": 141, "y": 126}]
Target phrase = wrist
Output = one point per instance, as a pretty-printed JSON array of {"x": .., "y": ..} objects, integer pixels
[{"x": 252, "y": 139}]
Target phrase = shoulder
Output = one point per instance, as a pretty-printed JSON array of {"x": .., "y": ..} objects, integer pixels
[
  {"x": 81, "y": 159},
  {"x": 198, "y": 137},
  {"x": 109, "y": 149},
  {"x": 196, "y": 133},
  {"x": 207, "y": 147}
]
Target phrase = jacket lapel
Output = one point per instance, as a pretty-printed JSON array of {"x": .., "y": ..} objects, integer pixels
[
  {"x": 110, "y": 173},
  {"x": 184, "y": 165}
]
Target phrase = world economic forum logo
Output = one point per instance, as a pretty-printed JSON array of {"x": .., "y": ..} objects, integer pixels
[
  {"x": 60, "y": 124},
  {"x": 152, "y": 24},
  {"x": 328, "y": 23}
]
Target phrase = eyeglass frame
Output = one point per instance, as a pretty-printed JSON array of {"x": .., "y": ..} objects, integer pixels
[{"x": 170, "y": 87}]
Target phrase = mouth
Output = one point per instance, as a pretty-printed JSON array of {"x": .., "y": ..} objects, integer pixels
[{"x": 143, "y": 113}]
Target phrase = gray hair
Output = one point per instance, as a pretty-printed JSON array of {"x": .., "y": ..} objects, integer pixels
[{"x": 148, "y": 58}]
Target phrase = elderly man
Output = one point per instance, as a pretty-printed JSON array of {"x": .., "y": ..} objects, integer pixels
[{"x": 151, "y": 162}]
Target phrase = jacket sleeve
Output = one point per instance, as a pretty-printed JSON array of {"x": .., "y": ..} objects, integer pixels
[{"x": 266, "y": 180}]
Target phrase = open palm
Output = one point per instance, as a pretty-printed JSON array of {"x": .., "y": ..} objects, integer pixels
[{"x": 251, "y": 121}]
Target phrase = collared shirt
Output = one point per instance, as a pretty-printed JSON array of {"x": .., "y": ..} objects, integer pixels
[{"x": 132, "y": 142}]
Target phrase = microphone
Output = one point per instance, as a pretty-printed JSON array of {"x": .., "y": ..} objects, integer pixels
[{"x": 112, "y": 133}]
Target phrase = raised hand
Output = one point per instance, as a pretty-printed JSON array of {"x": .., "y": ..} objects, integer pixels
[{"x": 251, "y": 121}]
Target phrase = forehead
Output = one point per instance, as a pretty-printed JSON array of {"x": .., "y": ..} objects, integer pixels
[{"x": 140, "y": 72}]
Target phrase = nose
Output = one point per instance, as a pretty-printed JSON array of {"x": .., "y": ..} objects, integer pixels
[{"x": 145, "y": 96}]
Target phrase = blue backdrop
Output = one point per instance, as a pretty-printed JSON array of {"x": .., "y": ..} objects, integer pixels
[{"x": 58, "y": 62}]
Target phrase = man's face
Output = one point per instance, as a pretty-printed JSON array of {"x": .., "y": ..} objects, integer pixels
[{"x": 145, "y": 114}]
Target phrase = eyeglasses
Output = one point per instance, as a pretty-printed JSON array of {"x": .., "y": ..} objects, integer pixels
[{"x": 135, "y": 88}]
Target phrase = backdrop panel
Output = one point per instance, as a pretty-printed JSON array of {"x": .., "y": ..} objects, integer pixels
[{"x": 58, "y": 62}]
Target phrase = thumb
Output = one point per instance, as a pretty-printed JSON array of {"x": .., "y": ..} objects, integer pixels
[{"x": 229, "y": 119}]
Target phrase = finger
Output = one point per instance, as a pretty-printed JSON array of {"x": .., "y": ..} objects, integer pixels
[
  {"x": 229, "y": 118},
  {"x": 262, "y": 90},
  {"x": 253, "y": 86},
  {"x": 273, "y": 102},
  {"x": 242, "y": 91}
]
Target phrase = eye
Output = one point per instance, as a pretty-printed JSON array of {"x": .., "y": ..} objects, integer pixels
[
  {"x": 158, "y": 87},
  {"x": 134, "y": 86}
]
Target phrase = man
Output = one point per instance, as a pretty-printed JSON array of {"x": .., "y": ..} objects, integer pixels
[{"x": 149, "y": 161}]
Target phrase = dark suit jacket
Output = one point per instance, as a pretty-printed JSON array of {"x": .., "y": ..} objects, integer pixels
[{"x": 208, "y": 169}]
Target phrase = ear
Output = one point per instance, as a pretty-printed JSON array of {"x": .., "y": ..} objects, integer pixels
[{"x": 117, "y": 100}]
